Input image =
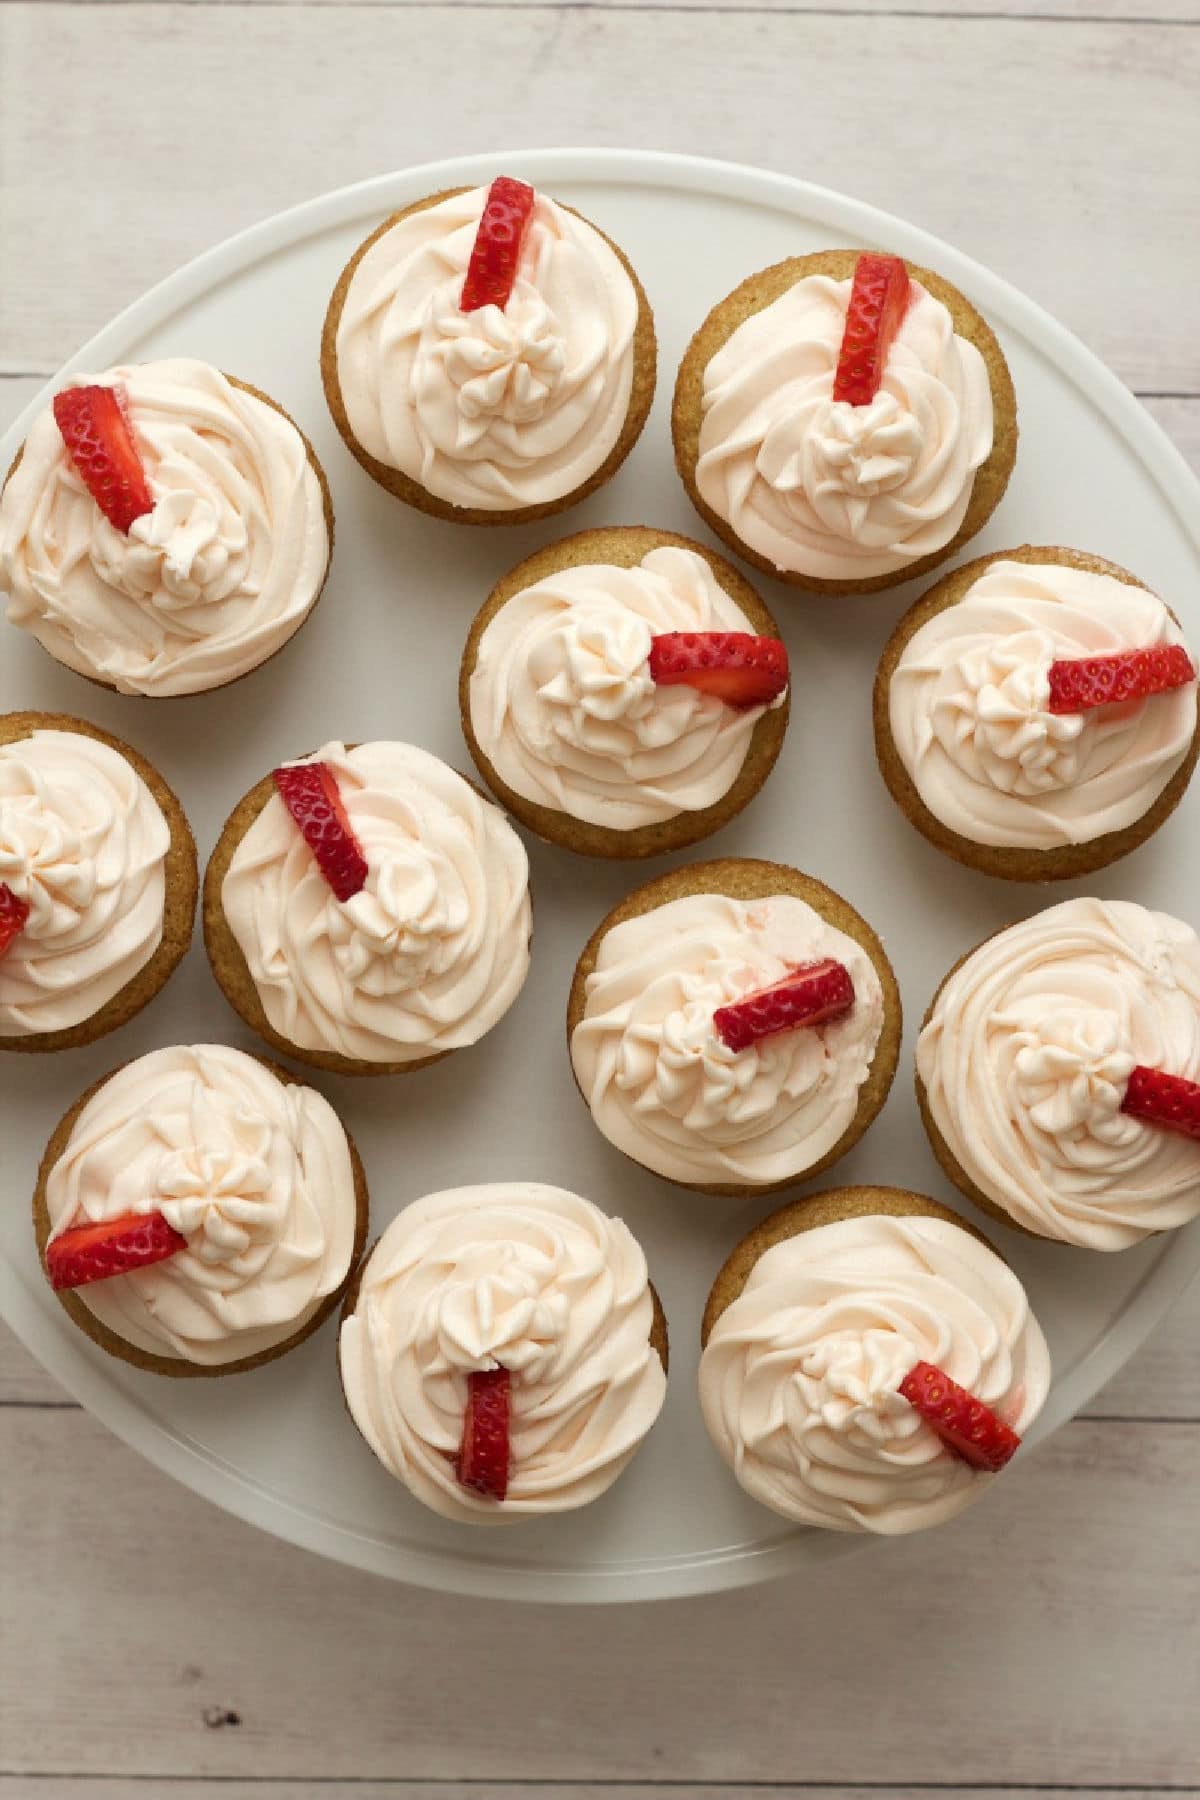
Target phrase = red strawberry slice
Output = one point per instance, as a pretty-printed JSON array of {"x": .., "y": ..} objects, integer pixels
[
  {"x": 1077, "y": 684},
  {"x": 310, "y": 793},
  {"x": 964, "y": 1424},
  {"x": 99, "y": 439},
  {"x": 1166, "y": 1100},
  {"x": 113, "y": 1247},
  {"x": 483, "y": 1460},
  {"x": 879, "y": 298},
  {"x": 496, "y": 251},
  {"x": 735, "y": 666},
  {"x": 14, "y": 915},
  {"x": 810, "y": 996}
]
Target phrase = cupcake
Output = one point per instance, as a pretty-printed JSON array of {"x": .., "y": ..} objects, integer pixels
[
  {"x": 503, "y": 1352},
  {"x": 367, "y": 911},
  {"x": 1058, "y": 1074},
  {"x": 199, "y": 1212},
  {"x": 1035, "y": 714},
  {"x": 97, "y": 882},
  {"x": 869, "y": 1363},
  {"x": 488, "y": 355},
  {"x": 624, "y": 692},
  {"x": 734, "y": 1026},
  {"x": 165, "y": 529},
  {"x": 845, "y": 421}
]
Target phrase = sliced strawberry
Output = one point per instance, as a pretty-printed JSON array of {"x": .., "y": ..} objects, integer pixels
[
  {"x": 879, "y": 298},
  {"x": 14, "y": 915},
  {"x": 1170, "y": 1101},
  {"x": 496, "y": 251},
  {"x": 964, "y": 1424},
  {"x": 1079, "y": 683},
  {"x": 113, "y": 1247},
  {"x": 809, "y": 996},
  {"x": 483, "y": 1461},
  {"x": 99, "y": 439},
  {"x": 735, "y": 666},
  {"x": 310, "y": 793}
]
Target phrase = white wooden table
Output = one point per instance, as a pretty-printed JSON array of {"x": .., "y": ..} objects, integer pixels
[{"x": 149, "y": 1645}]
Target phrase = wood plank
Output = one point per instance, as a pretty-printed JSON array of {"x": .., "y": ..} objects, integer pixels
[
  {"x": 1159, "y": 12},
  {"x": 93, "y": 1787},
  {"x": 1047, "y": 211},
  {"x": 105, "y": 1563}
]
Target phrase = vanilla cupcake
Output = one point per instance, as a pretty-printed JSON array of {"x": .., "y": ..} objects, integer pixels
[
  {"x": 367, "y": 911},
  {"x": 1035, "y": 714},
  {"x": 734, "y": 1026},
  {"x": 199, "y": 1212},
  {"x": 1058, "y": 1071},
  {"x": 576, "y": 711},
  {"x": 870, "y": 1363},
  {"x": 97, "y": 882},
  {"x": 859, "y": 492},
  {"x": 488, "y": 355},
  {"x": 503, "y": 1352},
  {"x": 174, "y": 538}
]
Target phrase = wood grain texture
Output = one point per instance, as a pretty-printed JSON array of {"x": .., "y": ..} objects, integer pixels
[
  {"x": 1038, "y": 187},
  {"x": 330, "y": 1672},
  {"x": 118, "y": 1787},
  {"x": 1173, "y": 12}
]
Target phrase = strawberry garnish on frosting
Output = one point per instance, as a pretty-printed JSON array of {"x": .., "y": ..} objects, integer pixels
[
  {"x": 811, "y": 995},
  {"x": 310, "y": 793},
  {"x": 94, "y": 422},
  {"x": 485, "y": 1456},
  {"x": 1169, "y": 1101},
  {"x": 965, "y": 1425},
  {"x": 496, "y": 251},
  {"x": 1078, "y": 684},
  {"x": 879, "y": 297},
  {"x": 734, "y": 666},
  {"x": 14, "y": 915},
  {"x": 96, "y": 1252}
]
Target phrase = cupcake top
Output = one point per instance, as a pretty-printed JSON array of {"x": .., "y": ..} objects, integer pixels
[
  {"x": 1026, "y": 1057},
  {"x": 83, "y": 844},
  {"x": 256, "y": 1175},
  {"x": 565, "y": 708},
  {"x": 974, "y": 725},
  {"x": 800, "y": 1376},
  {"x": 496, "y": 408},
  {"x": 201, "y": 589},
  {"x": 824, "y": 488},
  {"x": 428, "y": 955},
  {"x": 516, "y": 1276},
  {"x": 662, "y": 1083}
]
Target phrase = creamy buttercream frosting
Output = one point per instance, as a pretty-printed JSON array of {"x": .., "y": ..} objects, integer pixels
[
  {"x": 434, "y": 949},
  {"x": 510, "y": 1275},
  {"x": 1026, "y": 1055},
  {"x": 495, "y": 408},
  {"x": 823, "y": 488},
  {"x": 665, "y": 1088},
  {"x": 969, "y": 705},
  {"x": 84, "y": 843},
  {"x": 799, "y": 1379},
  {"x": 254, "y": 1173},
  {"x": 565, "y": 709},
  {"x": 206, "y": 586}
]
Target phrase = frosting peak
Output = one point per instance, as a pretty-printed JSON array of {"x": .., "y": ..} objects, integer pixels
[
  {"x": 823, "y": 488},
  {"x": 565, "y": 709},
  {"x": 495, "y": 408},
  {"x": 206, "y": 586}
]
